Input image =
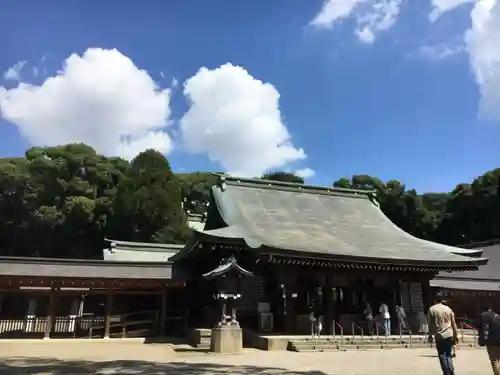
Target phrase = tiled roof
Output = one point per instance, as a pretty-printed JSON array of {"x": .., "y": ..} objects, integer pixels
[
  {"x": 487, "y": 277},
  {"x": 85, "y": 269},
  {"x": 328, "y": 221}
]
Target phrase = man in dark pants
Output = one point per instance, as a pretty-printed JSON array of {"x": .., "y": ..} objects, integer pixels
[
  {"x": 443, "y": 329},
  {"x": 489, "y": 336}
]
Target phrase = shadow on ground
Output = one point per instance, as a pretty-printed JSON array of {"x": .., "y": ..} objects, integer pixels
[{"x": 49, "y": 366}]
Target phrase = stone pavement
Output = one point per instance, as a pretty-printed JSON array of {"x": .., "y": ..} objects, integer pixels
[{"x": 85, "y": 358}]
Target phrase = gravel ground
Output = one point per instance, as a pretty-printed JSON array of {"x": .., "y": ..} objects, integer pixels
[{"x": 85, "y": 358}]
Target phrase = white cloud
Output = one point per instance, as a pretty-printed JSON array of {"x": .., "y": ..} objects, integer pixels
[
  {"x": 305, "y": 172},
  {"x": 483, "y": 45},
  {"x": 439, "y": 7},
  {"x": 235, "y": 119},
  {"x": 333, "y": 11},
  {"x": 372, "y": 16},
  {"x": 440, "y": 51},
  {"x": 14, "y": 72},
  {"x": 100, "y": 98},
  {"x": 382, "y": 16}
]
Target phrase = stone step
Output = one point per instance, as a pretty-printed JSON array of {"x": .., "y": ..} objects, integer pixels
[
  {"x": 331, "y": 346},
  {"x": 354, "y": 348},
  {"x": 202, "y": 346},
  {"x": 372, "y": 341}
]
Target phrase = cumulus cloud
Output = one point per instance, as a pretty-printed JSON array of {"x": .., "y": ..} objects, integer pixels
[
  {"x": 100, "y": 98},
  {"x": 235, "y": 120},
  {"x": 439, "y": 7},
  {"x": 372, "y": 16},
  {"x": 305, "y": 172},
  {"x": 483, "y": 41},
  {"x": 14, "y": 72}
]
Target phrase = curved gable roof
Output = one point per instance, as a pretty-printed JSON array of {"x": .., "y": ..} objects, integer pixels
[{"x": 328, "y": 221}]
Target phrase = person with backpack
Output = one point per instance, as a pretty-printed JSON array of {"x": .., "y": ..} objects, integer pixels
[
  {"x": 443, "y": 331},
  {"x": 489, "y": 336}
]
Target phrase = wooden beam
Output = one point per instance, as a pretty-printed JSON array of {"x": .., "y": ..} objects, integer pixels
[{"x": 79, "y": 292}]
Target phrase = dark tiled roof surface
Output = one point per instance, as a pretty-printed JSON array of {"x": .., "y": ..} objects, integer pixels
[
  {"x": 488, "y": 273},
  {"x": 71, "y": 268},
  {"x": 327, "y": 221},
  {"x": 447, "y": 283}
]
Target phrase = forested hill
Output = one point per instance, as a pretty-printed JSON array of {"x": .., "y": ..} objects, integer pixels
[{"x": 62, "y": 202}]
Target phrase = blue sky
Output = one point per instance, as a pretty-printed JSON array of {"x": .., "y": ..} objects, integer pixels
[{"x": 378, "y": 89}]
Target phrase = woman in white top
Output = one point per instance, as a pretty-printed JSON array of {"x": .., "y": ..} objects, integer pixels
[{"x": 384, "y": 312}]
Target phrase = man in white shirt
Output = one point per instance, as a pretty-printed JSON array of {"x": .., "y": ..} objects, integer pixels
[
  {"x": 443, "y": 330},
  {"x": 386, "y": 318}
]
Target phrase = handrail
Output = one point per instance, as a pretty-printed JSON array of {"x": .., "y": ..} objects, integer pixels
[
  {"x": 335, "y": 323},
  {"x": 354, "y": 326},
  {"x": 465, "y": 323},
  {"x": 379, "y": 325},
  {"x": 124, "y": 315}
]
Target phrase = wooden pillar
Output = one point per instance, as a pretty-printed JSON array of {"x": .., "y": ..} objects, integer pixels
[
  {"x": 163, "y": 313},
  {"x": 30, "y": 315},
  {"x": 328, "y": 307},
  {"x": 109, "y": 311},
  {"x": 290, "y": 309},
  {"x": 51, "y": 315}
]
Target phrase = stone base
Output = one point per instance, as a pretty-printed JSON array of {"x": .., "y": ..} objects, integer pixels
[{"x": 226, "y": 340}]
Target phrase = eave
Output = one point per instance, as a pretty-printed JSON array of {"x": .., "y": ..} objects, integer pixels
[{"x": 375, "y": 264}]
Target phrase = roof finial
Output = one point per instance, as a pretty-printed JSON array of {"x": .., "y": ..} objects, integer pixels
[{"x": 373, "y": 198}]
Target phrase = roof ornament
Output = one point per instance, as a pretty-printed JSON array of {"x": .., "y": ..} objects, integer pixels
[{"x": 373, "y": 197}]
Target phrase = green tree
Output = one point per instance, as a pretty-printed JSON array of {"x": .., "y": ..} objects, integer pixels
[
  {"x": 283, "y": 177},
  {"x": 148, "y": 204},
  {"x": 59, "y": 200},
  {"x": 195, "y": 189}
]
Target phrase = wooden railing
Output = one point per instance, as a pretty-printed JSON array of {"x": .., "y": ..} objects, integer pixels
[{"x": 145, "y": 322}]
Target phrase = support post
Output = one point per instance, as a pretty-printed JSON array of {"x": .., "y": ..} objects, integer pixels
[
  {"x": 328, "y": 308},
  {"x": 163, "y": 313},
  {"x": 109, "y": 311},
  {"x": 30, "y": 315},
  {"x": 51, "y": 316},
  {"x": 73, "y": 314}
]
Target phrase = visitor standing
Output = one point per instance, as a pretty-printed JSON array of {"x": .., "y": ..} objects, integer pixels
[
  {"x": 368, "y": 314},
  {"x": 443, "y": 329},
  {"x": 401, "y": 314},
  {"x": 489, "y": 336},
  {"x": 384, "y": 313}
]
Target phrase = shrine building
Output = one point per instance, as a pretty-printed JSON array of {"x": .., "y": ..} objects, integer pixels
[{"x": 277, "y": 251}]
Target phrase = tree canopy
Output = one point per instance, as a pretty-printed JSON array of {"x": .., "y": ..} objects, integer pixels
[
  {"x": 283, "y": 177},
  {"x": 63, "y": 201}
]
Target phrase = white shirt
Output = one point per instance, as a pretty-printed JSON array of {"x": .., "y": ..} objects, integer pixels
[{"x": 384, "y": 310}]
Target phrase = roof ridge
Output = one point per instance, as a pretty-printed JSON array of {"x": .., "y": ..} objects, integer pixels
[
  {"x": 291, "y": 185},
  {"x": 144, "y": 244}
]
